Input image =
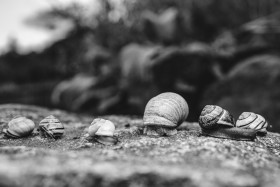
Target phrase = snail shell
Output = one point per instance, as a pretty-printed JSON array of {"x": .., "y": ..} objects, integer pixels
[
  {"x": 163, "y": 113},
  {"x": 103, "y": 131},
  {"x": 51, "y": 127},
  {"x": 213, "y": 116},
  {"x": 101, "y": 127},
  {"x": 218, "y": 122},
  {"x": 19, "y": 127},
  {"x": 250, "y": 120}
]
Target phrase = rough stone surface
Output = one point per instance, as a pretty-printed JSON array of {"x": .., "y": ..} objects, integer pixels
[{"x": 185, "y": 159}]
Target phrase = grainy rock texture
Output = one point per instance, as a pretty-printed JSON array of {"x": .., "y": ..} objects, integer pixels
[{"x": 185, "y": 159}]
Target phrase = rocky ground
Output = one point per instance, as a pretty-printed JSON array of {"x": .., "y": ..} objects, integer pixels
[{"x": 186, "y": 159}]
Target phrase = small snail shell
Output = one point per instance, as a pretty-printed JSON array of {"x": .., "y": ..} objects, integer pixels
[
  {"x": 51, "y": 127},
  {"x": 163, "y": 113},
  {"x": 218, "y": 122},
  {"x": 19, "y": 127},
  {"x": 103, "y": 131},
  {"x": 213, "y": 116},
  {"x": 250, "y": 120}
]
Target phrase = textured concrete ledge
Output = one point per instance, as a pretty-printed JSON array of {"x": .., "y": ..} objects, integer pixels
[{"x": 185, "y": 159}]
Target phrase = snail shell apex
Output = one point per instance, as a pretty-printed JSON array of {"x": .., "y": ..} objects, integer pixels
[
  {"x": 213, "y": 116},
  {"x": 166, "y": 109},
  {"x": 101, "y": 127},
  {"x": 52, "y": 127},
  {"x": 19, "y": 127},
  {"x": 250, "y": 120}
]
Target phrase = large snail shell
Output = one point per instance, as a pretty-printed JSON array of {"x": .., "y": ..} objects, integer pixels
[
  {"x": 51, "y": 127},
  {"x": 19, "y": 127},
  {"x": 101, "y": 127},
  {"x": 167, "y": 109},
  {"x": 213, "y": 116},
  {"x": 250, "y": 120}
]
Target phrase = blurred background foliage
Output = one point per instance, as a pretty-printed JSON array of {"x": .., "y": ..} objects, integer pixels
[{"x": 114, "y": 60}]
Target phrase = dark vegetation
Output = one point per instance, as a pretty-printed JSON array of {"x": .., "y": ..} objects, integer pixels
[{"x": 116, "y": 60}]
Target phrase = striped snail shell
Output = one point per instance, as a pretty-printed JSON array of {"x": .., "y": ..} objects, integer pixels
[
  {"x": 103, "y": 131},
  {"x": 218, "y": 122},
  {"x": 213, "y": 116},
  {"x": 250, "y": 120},
  {"x": 51, "y": 127},
  {"x": 163, "y": 113},
  {"x": 19, "y": 127}
]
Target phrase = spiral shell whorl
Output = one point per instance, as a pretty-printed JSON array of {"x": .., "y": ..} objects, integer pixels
[
  {"x": 213, "y": 116},
  {"x": 20, "y": 127},
  {"x": 52, "y": 127},
  {"x": 210, "y": 116},
  {"x": 250, "y": 120},
  {"x": 101, "y": 127},
  {"x": 49, "y": 120},
  {"x": 103, "y": 131},
  {"x": 167, "y": 109}
]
